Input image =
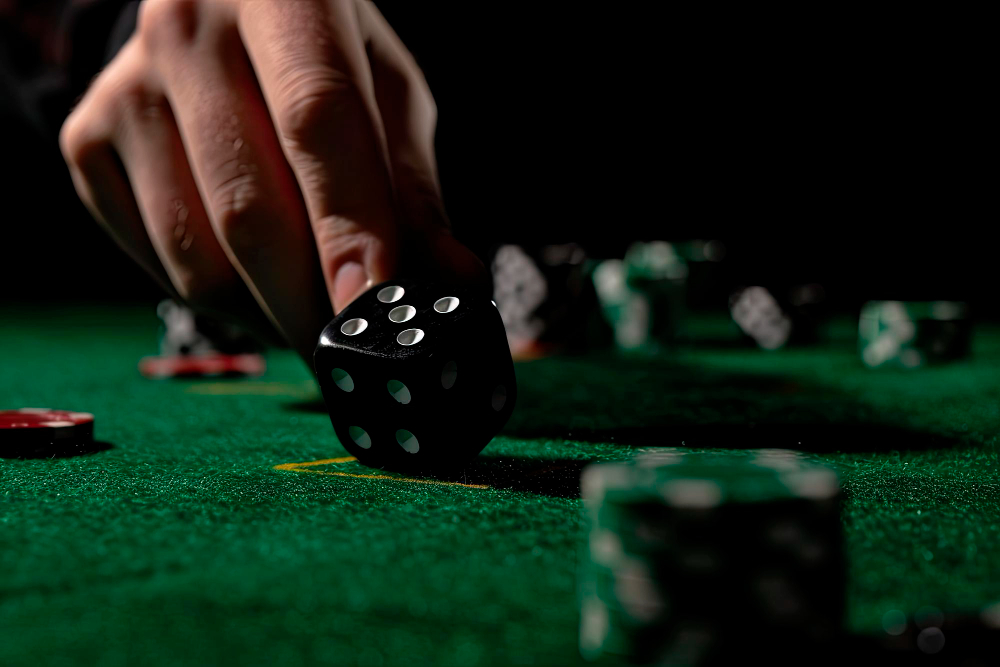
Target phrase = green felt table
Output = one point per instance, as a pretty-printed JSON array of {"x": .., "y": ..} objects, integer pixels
[{"x": 220, "y": 522}]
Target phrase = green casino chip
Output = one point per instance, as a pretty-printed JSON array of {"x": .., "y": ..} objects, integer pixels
[
  {"x": 642, "y": 295},
  {"x": 689, "y": 555},
  {"x": 913, "y": 334}
]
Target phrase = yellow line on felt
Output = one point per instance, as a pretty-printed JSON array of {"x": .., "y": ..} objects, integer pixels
[
  {"x": 301, "y": 467},
  {"x": 307, "y": 464},
  {"x": 397, "y": 479}
]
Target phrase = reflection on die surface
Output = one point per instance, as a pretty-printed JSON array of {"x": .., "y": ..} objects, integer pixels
[{"x": 416, "y": 376}]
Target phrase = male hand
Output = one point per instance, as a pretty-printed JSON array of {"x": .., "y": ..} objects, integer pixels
[{"x": 266, "y": 160}]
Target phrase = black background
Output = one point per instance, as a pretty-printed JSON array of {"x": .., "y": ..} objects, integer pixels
[{"x": 844, "y": 148}]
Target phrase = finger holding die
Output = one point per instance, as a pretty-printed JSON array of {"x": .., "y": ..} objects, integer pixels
[{"x": 416, "y": 376}]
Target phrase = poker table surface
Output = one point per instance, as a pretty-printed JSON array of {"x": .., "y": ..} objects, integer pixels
[{"x": 219, "y": 521}]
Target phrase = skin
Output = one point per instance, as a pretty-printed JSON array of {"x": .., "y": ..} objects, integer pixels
[{"x": 265, "y": 160}]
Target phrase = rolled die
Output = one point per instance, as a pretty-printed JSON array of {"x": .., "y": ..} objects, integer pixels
[{"x": 416, "y": 376}]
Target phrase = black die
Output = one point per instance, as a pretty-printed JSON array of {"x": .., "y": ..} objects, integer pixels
[{"x": 416, "y": 376}]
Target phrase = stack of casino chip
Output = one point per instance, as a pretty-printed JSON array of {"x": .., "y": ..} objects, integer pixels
[
  {"x": 707, "y": 283},
  {"x": 711, "y": 559},
  {"x": 626, "y": 310},
  {"x": 658, "y": 273},
  {"x": 187, "y": 333},
  {"x": 546, "y": 300},
  {"x": 911, "y": 334},
  {"x": 643, "y": 294},
  {"x": 648, "y": 295},
  {"x": 193, "y": 345}
]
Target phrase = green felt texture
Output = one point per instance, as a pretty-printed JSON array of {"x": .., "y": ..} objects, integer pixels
[{"x": 181, "y": 542}]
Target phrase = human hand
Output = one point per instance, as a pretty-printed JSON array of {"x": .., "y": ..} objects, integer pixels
[{"x": 266, "y": 160}]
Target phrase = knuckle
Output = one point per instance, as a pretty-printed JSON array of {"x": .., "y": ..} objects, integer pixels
[
  {"x": 310, "y": 106},
  {"x": 126, "y": 89},
  {"x": 431, "y": 111},
  {"x": 337, "y": 234},
  {"x": 411, "y": 90},
  {"x": 136, "y": 102},
  {"x": 167, "y": 22},
  {"x": 239, "y": 211},
  {"x": 78, "y": 142},
  {"x": 419, "y": 95},
  {"x": 68, "y": 139},
  {"x": 339, "y": 238},
  {"x": 424, "y": 117},
  {"x": 118, "y": 98}
]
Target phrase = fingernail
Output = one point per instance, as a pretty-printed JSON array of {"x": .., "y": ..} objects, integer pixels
[{"x": 350, "y": 282}]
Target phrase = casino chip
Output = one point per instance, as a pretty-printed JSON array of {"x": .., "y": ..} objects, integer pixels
[
  {"x": 206, "y": 365},
  {"x": 33, "y": 433},
  {"x": 187, "y": 333},
  {"x": 911, "y": 334},
  {"x": 657, "y": 273},
  {"x": 710, "y": 558},
  {"x": 707, "y": 283},
  {"x": 546, "y": 300},
  {"x": 194, "y": 346},
  {"x": 642, "y": 296},
  {"x": 625, "y": 309},
  {"x": 648, "y": 295}
]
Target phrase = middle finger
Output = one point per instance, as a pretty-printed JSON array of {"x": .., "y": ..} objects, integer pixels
[
  {"x": 248, "y": 189},
  {"x": 314, "y": 73}
]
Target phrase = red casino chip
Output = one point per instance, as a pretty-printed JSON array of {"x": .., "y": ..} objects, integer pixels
[
  {"x": 200, "y": 366},
  {"x": 41, "y": 432}
]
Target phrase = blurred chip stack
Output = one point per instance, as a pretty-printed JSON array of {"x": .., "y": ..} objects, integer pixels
[
  {"x": 659, "y": 274},
  {"x": 710, "y": 558},
  {"x": 643, "y": 295},
  {"x": 627, "y": 311},
  {"x": 546, "y": 299},
  {"x": 707, "y": 281},
  {"x": 911, "y": 334},
  {"x": 195, "y": 345}
]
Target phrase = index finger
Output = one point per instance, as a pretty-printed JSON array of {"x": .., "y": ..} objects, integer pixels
[{"x": 311, "y": 64}]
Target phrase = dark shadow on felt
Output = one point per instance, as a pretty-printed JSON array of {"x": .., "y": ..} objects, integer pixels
[
  {"x": 658, "y": 402},
  {"x": 558, "y": 478},
  {"x": 806, "y": 437},
  {"x": 315, "y": 406}
]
